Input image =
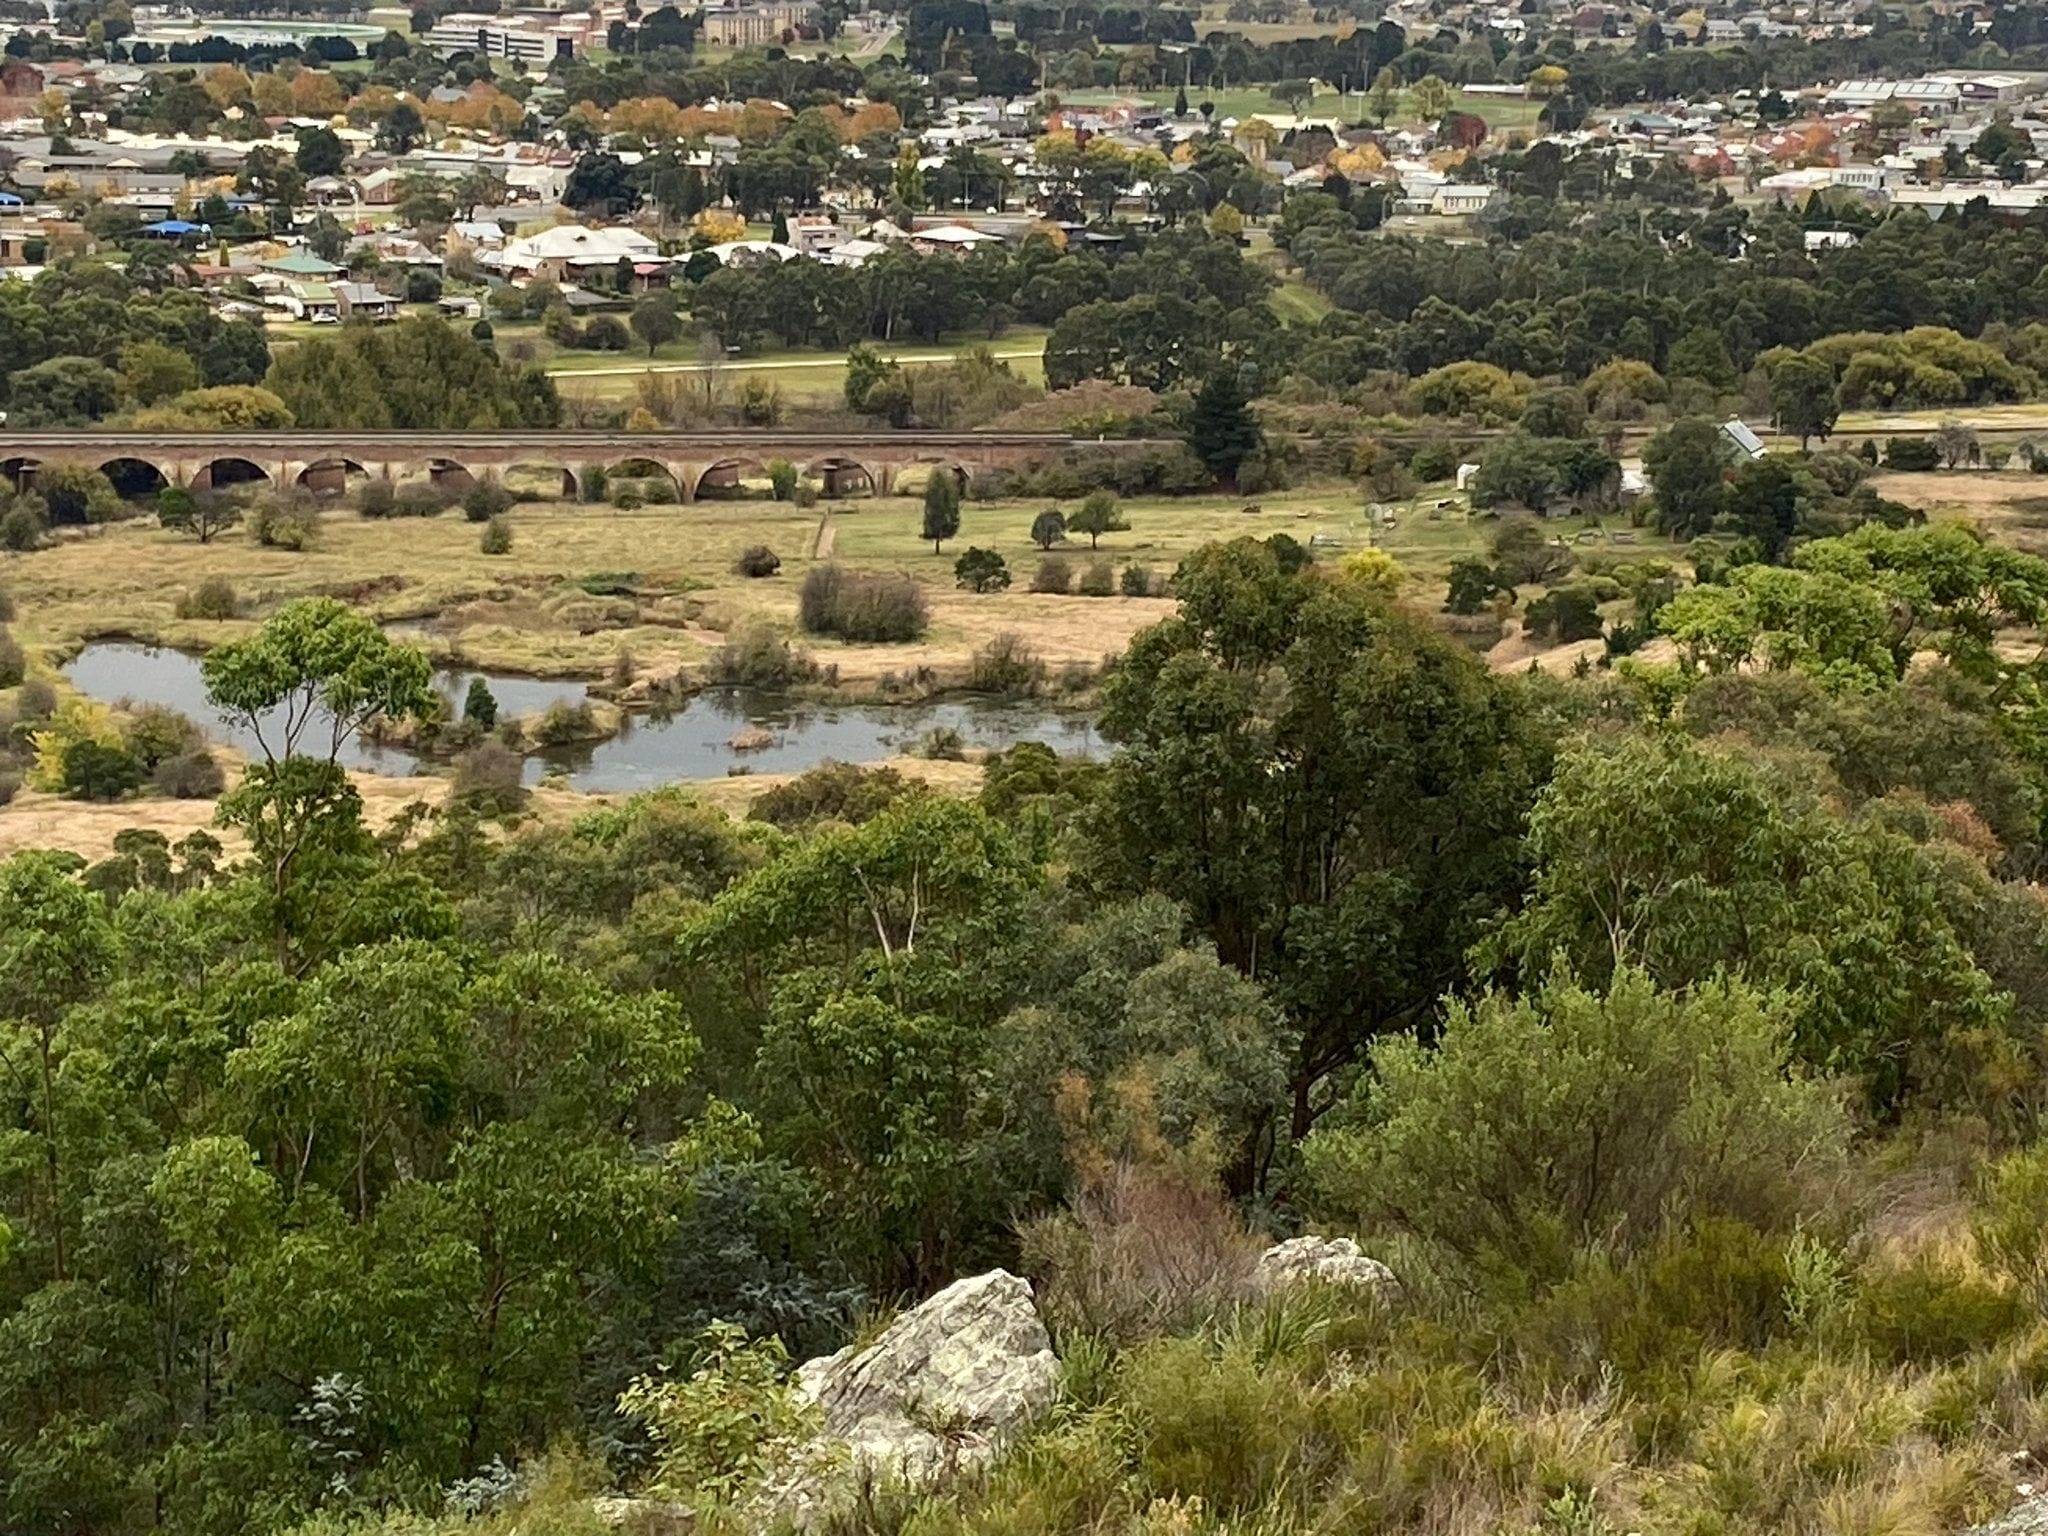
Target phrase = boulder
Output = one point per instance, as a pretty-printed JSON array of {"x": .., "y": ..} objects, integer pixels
[
  {"x": 1328, "y": 1260},
  {"x": 946, "y": 1384},
  {"x": 2029, "y": 1517}
]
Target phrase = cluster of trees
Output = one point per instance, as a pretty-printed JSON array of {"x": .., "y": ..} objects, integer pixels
[
  {"x": 347, "y": 1168},
  {"x": 1570, "y": 302},
  {"x": 84, "y": 338}
]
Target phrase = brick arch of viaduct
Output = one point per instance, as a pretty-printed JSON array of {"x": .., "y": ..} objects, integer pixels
[{"x": 325, "y": 461}]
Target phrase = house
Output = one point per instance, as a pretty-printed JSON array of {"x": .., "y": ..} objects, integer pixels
[
  {"x": 1457, "y": 199},
  {"x": 301, "y": 264},
  {"x": 20, "y": 80},
  {"x": 360, "y": 301},
  {"x": 308, "y": 301},
  {"x": 567, "y": 249},
  {"x": 814, "y": 235},
  {"x": 14, "y": 243},
  {"x": 1746, "y": 442}
]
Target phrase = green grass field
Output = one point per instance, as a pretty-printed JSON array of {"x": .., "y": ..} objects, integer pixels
[{"x": 801, "y": 375}]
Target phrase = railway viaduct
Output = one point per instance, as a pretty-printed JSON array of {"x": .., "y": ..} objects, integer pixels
[{"x": 328, "y": 462}]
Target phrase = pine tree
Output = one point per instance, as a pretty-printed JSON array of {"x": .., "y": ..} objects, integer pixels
[
  {"x": 1180, "y": 102},
  {"x": 941, "y": 506},
  {"x": 1221, "y": 430},
  {"x": 780, "y": 233}
]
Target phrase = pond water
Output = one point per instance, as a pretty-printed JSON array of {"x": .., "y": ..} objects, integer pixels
[{"x": 691, "y": 742}]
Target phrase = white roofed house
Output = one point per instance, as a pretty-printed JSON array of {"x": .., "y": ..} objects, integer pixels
[{"x": 560, "y": 253}]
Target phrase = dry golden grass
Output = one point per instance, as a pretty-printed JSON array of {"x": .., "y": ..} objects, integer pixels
[{"x": 526, "y": 612}]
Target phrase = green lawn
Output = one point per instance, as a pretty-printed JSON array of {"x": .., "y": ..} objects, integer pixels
[
  {"x": 1294, "y": 301},
  {"x": 804, "y": 375}
]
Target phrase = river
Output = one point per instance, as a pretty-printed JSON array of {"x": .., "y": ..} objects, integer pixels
[{"x": 691, "y": 742}]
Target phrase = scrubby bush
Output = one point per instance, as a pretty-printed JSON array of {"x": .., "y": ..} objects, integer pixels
[
  {"x": 563, "y": 724},
  {"x": 1913, "y": 454},
  {"x": 1006, "y": 665},
  {"x": 781, "y": 479},
  {"x": 193, "y": 775},
  {"x": 833, "y": 791},
  {"x": 1565, "y": 1117},
  {"x": 156, "y": 732},
  {"x": 1054, "y": 574},
  {"x": 375, "y": 498},
  {"x": 1565, "y": 614},
  {"x": 981, "y": 570},
  {"x": 757, "y": 656},
  {"x": 488, "y": 778},
  {"x": 1099, "y": 580},
  {"x": 861, "y": 606},
  {"x": 24, "y": 525},
  {"x": 13, "y": 661},
  {"x": 1136, "y": 581},
  {"x": 98, "y": 770},
  {"x": 77, "y": 493},
  {"x": 485, "y": 500},
  {"x": 280, "y": 525},
  {"x": 213, "y": 598},
  {"x": 496, "y": 539},
  {"x": 757, "y": 560},
  {"x": 591, "y": 482}
]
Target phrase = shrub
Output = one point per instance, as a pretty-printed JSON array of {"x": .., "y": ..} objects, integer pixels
[
  {"x": 782, "y": 478},
  {"x": 6, "y": 607},
  {"x": 278, "y": 526},
  {"x": 156, "y": 732},
  {"x": 193, "y": 775},
  {"x": 1048, "y": 528},
  {"x": 496, "y": 539},
  {"x": 564, "y": 724},
  {"x": 1912, "y": 454},
  {"x": 806, "y": 495},
  {"x": 77, "y": 493},
  {"x": 1099, "y": 580},
  {"x": 1141, "y": 1253},
  {"x": 626, "y": 499},
  {"x": 23, "y": 526},
  {"x": 375, "y": 498},
  {"x": 418, "y": 501},
  {"x": 1136, "y": 581},
  {"x": 720, "y": 1431},
  {"x": 485, "y": 500},
  {"x": 1542, "y": 1123},
  {"x": 844, "y": 792},
  {"x": 96, "y": 770},
  {"x": 591, "y": 482},
  {"x": 941, "y": 744},
  {"x": 1925, "y": 1311},
  {"x": 488, "y": 777},
  {"x": 13, "y": 661},
  {"x": 981, "y": 570},
  {"x": 479, "y": 704},
  {"x": 861, "y": 606},
  {"x": 1006, "y": 665},
  {"x": 213, "y": 598},
  {"x": 1565, "y": 614},
  {"x": 758, "y": 657},
  {"x": 757, "y": 560},
  {"x": 1054, "y": 574}
]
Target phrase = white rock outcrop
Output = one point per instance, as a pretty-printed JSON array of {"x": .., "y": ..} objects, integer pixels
[
  {"x": 946, "y": 1384},
  {"x": 1328, "y": 1260}
]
